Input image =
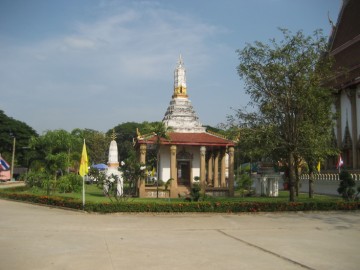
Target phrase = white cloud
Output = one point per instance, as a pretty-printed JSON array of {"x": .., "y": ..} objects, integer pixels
[
  {"x": 80, "y": 43},
  {"x": 120, "y": 57}
]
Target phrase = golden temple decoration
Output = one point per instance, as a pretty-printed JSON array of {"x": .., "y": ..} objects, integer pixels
[
  {"x": 216, "y": 134},
  {"x": 113, "y": 135}
]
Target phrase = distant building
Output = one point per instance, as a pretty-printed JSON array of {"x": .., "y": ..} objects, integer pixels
[
  {"x": 345, "y": 48},
  {"x": 191, "y": 152},
  {"x": 5, "y": 175}
]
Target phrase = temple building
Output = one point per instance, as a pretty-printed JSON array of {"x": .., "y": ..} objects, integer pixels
[
  {"x": 190, "y": 154},
  {"x": 344, "y": 46}
]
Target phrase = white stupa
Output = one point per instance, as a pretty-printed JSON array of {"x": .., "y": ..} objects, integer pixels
[
  {"x": 113, "y": 172},
  {"x": 180, "y": 114}
]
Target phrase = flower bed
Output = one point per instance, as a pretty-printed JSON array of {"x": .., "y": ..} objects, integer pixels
[{"x": 183, "y": 207}]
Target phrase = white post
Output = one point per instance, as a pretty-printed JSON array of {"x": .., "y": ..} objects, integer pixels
[{"x": 83, "y": 192}]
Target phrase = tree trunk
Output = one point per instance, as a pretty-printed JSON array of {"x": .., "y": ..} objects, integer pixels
[
  {"x": 296, "y": 161},
  {"x": 291, "y": 177},
  {"x": 311, "y": 181},
  {"x": 135, "y": 187}
]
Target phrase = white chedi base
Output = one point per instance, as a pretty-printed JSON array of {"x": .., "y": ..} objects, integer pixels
[
  {"x": 181, "y": 117},
  {"x": 113, "y": 175}
]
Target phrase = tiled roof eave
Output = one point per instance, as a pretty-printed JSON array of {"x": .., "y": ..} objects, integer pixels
[
  {"x": 196, "y": 139},
  {"x": 187, "y": 143},
  {"x": 197, "y": 143}
]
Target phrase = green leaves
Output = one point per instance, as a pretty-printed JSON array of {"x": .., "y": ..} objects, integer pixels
[{"x": 292, "y": 114}]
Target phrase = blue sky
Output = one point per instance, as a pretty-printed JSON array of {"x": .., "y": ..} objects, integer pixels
[{"x": 98, "y": 63}]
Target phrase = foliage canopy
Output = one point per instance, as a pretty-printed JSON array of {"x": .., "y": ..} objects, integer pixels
[{"x": 291, "y": 114}]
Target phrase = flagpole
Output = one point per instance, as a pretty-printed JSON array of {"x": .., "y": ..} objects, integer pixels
[
  {"x": 83, "y": 193},
  {"x": 12, "y": 160},
  {"x": 83, "y": 171},
  {"x": 83, "y": 189}
]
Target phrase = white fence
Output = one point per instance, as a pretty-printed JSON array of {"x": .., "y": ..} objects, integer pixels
[{"x": 323, "y": 183}]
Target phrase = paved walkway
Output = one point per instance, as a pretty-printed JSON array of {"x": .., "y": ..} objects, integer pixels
[
  {"x": 9, "y": 184},
  {"x": 39, "y": 237}
]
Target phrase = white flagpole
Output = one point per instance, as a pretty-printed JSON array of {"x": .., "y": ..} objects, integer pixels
[
  {"x": 83, "y": 171},
  {"x": 83, "y": 187},
  {"x": 83, "y": 193}
]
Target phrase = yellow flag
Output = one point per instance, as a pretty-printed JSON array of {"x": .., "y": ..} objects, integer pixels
[
  {"x": 318, "y": 167},
  {"x": 84, "y": 167}
]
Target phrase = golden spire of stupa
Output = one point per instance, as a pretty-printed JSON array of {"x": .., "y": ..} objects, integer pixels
[
  {"x": 113, "y": 135},
  {"x": 180, "y": 80}
]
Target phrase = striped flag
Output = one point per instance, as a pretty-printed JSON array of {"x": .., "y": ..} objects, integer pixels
[
  {"x": 340, "y": 162},
  {"x": 4, "y": 166}
]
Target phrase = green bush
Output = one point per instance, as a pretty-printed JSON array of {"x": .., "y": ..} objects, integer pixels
[
  {"x": 44, "y": 181},
  {"x": 36, "y": 179},
  {"x": 41, "y": 180},
  {"x": 48, "y": 185},
  {"x": 69, "y": 183},
  {"x": 347, "y": 186},
  {"x": 244, "y": 183},
  {"x": 215, "y": 206},
  {"x": 195, "y": 192}
]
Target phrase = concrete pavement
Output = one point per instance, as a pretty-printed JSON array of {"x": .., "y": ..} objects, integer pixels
[
  {"x": 39, "y": 237},
  {"x": 9, "y": 184}
]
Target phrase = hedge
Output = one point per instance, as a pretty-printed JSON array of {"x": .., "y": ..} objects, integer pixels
[{"x": 183, "y": 207}]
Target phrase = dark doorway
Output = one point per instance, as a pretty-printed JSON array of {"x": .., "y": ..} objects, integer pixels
[{"x": 183, "y": 173}]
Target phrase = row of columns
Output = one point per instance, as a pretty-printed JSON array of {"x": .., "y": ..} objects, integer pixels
[{"x": 212, "y": 170}]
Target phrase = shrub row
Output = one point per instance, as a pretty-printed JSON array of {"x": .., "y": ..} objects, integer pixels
[
  {"x": 46, "y": 200},
  {"x": 183, "y": 207}
]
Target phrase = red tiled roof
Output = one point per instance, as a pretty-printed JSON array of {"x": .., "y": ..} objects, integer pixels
[{"x": 204, "y": 139}]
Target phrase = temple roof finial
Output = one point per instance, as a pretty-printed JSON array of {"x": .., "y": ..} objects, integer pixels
[{"x": 180, "y": 60}]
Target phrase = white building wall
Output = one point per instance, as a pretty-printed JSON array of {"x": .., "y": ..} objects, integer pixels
[
  {"x": 164, "y": 163},
  {"x": 323, "y": 183},
  {"x": 195, "y": 162}
]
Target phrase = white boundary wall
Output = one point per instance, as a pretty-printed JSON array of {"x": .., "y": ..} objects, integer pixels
[{"x": 323, "y": 183}]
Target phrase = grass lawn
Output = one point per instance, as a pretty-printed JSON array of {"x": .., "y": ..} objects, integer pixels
[{"x": 95, "y": 194}]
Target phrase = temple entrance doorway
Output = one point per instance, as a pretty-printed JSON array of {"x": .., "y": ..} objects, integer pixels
[{"x": 183, "y": 173}]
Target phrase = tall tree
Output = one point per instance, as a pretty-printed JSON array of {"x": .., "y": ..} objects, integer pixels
[
  {"x": 284, "y": 80},
  {"x": 125, "y": 135},
  {"x": 97, "y": 144},
  {"x": 10, "y": 128},
  {"x": 316, "y": 144},
  {"x": 54, "y": 150}
]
